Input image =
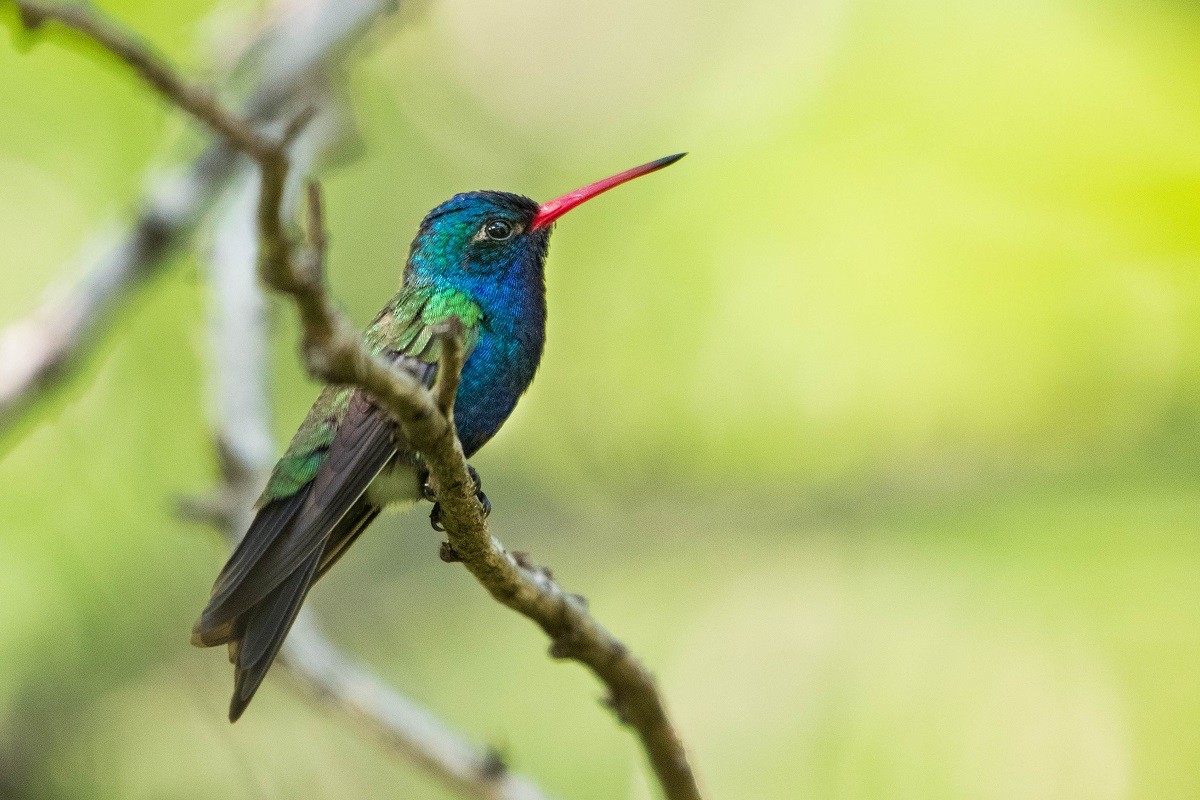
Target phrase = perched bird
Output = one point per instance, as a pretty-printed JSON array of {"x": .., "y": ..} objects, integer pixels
[{"x": 479, "y": 257}]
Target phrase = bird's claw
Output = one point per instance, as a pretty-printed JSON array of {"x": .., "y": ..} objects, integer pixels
[
  {"x": 426, "y": 486},
  {"x": 435, "y": 515},
  {"x": 479, "y": 495}
]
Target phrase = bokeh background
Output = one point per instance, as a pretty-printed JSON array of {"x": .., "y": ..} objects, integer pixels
[{"x": 872, "y": 425}]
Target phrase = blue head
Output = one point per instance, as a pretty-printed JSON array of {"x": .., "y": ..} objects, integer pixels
[
  {"x": 478, "y": 241},
  {"x": 491, "y": 247},
  {"x": 485, "y": 246},
  {"x": 475, "y": 240}
]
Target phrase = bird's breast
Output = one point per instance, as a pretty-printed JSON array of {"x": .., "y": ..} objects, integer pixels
[{"x": 496, "y": 374}]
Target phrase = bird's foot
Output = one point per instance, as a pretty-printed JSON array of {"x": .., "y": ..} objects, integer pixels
[
  {"x": 426, "y": 486},
  {"x": 435, "y": 514},
  {"x": 479, "y": 495}
]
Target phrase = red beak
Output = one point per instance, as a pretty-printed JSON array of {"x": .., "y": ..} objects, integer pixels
[{"x": 552, "y": 210}]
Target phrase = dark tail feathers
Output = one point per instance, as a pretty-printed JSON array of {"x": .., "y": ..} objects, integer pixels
[{"x": 254, "y": 637}]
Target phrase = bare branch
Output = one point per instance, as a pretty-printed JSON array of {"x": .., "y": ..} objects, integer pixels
[
  {"x": 38, "y": 352},
  {"x": 574, "y": 633},
  {"x": 239, "y": 343},
  {"x": 314, "y": 230},
  {"x": 450, "y": 365},
  {"x": 335, "y": 352}
]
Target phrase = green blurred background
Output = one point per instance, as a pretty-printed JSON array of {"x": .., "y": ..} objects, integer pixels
[{"x": 872, "y": 425}]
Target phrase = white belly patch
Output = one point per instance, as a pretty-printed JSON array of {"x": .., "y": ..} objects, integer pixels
[{"x": 395, "y": 485}]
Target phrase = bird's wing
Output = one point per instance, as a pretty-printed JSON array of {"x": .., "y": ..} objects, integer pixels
[{"x": 342, "y": 445}]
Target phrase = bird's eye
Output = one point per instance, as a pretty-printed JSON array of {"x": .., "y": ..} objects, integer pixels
[{"x": 497, "y": 230}]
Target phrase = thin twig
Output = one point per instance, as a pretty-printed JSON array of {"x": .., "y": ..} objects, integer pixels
[
  {"x": 450, "y": 365},
  {"x": 314, "y": 230},
  {"x": 335, "y": 353},
  {"x": 530, "y": 590},
  {"x": 37, "y": 353}
]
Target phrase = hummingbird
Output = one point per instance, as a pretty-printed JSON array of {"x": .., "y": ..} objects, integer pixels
[{"x": 478, "y": 257}]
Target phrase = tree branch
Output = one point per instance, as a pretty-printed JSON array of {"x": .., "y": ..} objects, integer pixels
[
  {"x": 38, "y": 352},
  {"x": 450, "y": 366},
  {"x": 336, "y": 353}
]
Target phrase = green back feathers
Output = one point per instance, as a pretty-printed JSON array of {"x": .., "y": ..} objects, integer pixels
[
  {"x": 408, "y": 325},
  {"x": 307, "y": 449}
]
